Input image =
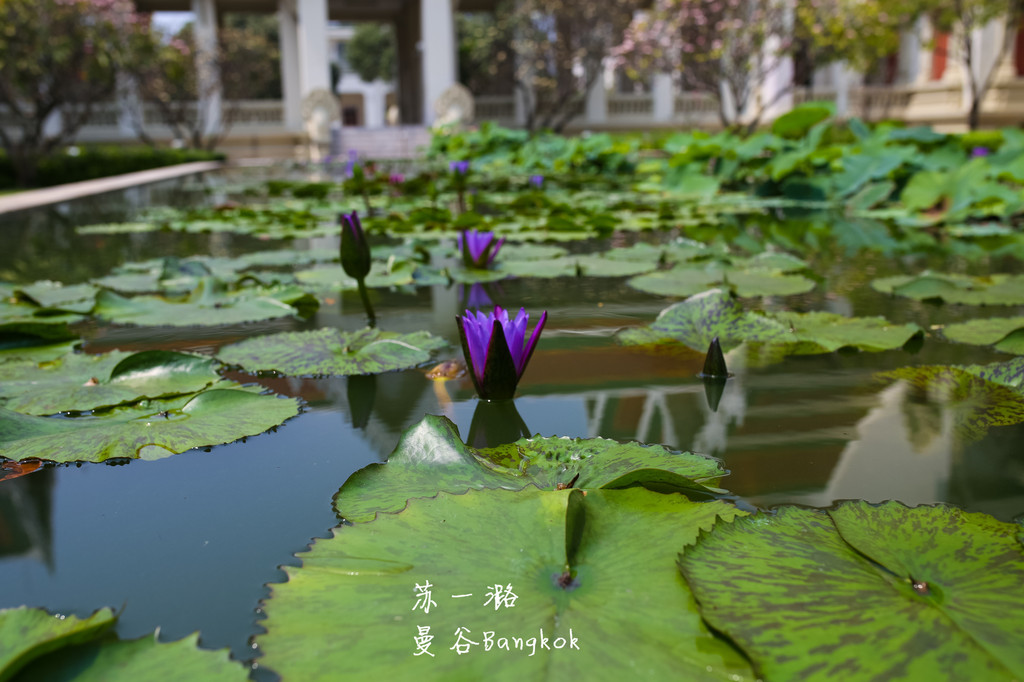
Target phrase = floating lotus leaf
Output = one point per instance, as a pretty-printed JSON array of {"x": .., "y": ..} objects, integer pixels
[
  {"x": 34, "y": 354},
  {"x": 599, "y": 266},
  {"x": 287, "y": 257},
  {"x": 206, "y": 306},
  {"x": 431, "y": 457},
  {"x": 26, "y": 634},
  {"x": 150, "y": 429},
  {"x": 462, "y": 275},
  {"x": 1010, "y": 373},
  {"x": 975, "y": 402},
  {"x": 953, "y": 288},
  {"x": 866, "y": 592},
  {"x": 619, "y": 612},
  {"x": 80, "y": 382},
  {"x": 330, "y": 351},
  {"x": 26, "y": 319},
  {"x": 698, "y": 319},
  {"x": 397, "y": 273},
  {"x": 78, "y": 298},
  {"x": 176, "y": 275},
  {"x": 1005, "y": 334},
  {"x": 110, "y": 660},
  {"x": 690, "y": 279},
  {"x": 552, "y": 267},
  {"x": 511, "y": 252},
  {"x": 118, "y": 228}
]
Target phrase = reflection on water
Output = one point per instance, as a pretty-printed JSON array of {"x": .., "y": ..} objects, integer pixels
[{"x": 188, "y": 542}]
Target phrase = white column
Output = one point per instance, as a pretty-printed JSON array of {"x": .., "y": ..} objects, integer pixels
[
  {"x": 129, "y": 106},
  {"x": 373, "y": 104},
  {"x": 291, "y": 94},
  {"x": 208, "y": 75},
  {"x": 777, "y": 91},
  {"x": 909, "y": 57},
  {"x": 664, "y": 96},
  {"x": 314, "y": 65},
  {"x": 437, "y": 42},
  {"x": 596, "y": 105}
]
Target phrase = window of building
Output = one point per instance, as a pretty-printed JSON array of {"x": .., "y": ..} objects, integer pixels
[{"x": 939, "y": 53}]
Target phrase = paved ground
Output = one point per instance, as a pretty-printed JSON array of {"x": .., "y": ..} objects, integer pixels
[{"x": 20, "y": 201}]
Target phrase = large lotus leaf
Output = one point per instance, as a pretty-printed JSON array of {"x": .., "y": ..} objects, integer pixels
[
  {"x": 1002, "y": 333},
  {"x": 866, "y": 592},
  {"x": 687, "y": 280},
  {"x": 151, "y": 429},
  {"x": 953, "y": 288},
  {"x": 975, "y": 402},
  {"x": 27, "y": 634},
  {"x": 592, "y": 575},
  {"x": 510, "y": 252},
  {"x": 80, "y": 382},
  {"x": 78, "y": 298},
  {"x": 1010, "y": 373},
  {"x": 431, "y": 458},
  {"x": 462, "y": 275},
  {"x": 34, "y": 354},
  {"x": 110, "y": 660},
  {"x": 26, "y": 319},
  {"x": 206, "y": 307},
  {"x": 697, "y": 320},
  {"x": 118, "y": 228},
  {"x": 331, "y": 351},
  {"x": 565, "y": 266},
  {"x": 397, "y": 273}
]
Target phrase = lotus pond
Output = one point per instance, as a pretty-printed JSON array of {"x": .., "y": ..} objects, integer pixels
[{"x": 201, "y": 434}]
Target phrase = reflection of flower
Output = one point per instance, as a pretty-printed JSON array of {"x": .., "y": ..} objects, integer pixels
[
  {"x": 478, "y": 248},
  {"x": 477, "y": 297},
  {"x": 537, "y": 181},
  {"x": 355, "y": 250},
  {"x": 496, "y": 349}
]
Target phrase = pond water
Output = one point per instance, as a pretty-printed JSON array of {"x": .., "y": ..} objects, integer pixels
[{"x": 189, "y": 542}]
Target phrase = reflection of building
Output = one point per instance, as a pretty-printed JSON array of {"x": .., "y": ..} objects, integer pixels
[{"x": 25, "y": 516}]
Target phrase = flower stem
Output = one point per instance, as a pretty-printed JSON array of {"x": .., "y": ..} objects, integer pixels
[{"x": 363, "y": 294}]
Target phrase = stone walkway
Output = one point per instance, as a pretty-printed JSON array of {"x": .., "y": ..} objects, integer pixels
[{"x": 20, "y": 201}]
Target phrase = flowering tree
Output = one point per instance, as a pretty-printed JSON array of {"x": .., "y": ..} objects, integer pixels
[
  {"x": 725, "y": 48},
  {"x": 167, "y": 73},
  {"x": 58, "y": 59},
  {"x": 968, "y": 15}
]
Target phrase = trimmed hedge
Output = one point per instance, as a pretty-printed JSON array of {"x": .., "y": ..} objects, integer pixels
[{"x": 101, "y": 161}]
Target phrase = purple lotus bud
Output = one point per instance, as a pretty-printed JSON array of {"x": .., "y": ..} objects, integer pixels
[
  {"x": 537, "y": 181},
  {"x": 355, "y": 250},
  {"x": 496, "y": 349},
  {"x": 979, "y": 151},
  {"x": 459, "y": 167},
  {"x": 479, "y": 248}
]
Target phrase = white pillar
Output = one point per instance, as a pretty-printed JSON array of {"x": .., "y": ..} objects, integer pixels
[
  {"x": 129, "y": 106},
  {"x": 374, "y": 107},
  {"x": 777, "y": 90},
  {"x": 596, "y": 110},
  {"x": 437, "y": 42},
  {"x": 291, "y": 94},
  {"x": 208, "y": 75},
  {"x": 314, "y": 65},
  {"x": 664, "y": 96}
]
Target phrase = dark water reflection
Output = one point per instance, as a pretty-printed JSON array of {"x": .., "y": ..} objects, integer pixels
[{"x": 190, "y": 541}]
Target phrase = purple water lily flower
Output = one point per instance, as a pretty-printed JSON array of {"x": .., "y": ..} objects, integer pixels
[
  {"x": 979, "y": 151},
  {"x": 396, "y": 179},
  {"x": 355, "y": 250},
  {"x": 537, "y": 181},
  {"x": 459, "y": 167},
  {"x": 478, "y": 248},
  {"x": 496, "y": 349}
]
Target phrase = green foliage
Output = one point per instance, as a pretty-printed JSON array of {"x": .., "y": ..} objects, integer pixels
[{"x": 372, "y": 53}]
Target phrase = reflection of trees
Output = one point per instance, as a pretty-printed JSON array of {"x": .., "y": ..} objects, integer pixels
[
  {"x": 26, "y": 523},
  {"x": 922, "y": 418},
  {"x": 988, "y": 474}
]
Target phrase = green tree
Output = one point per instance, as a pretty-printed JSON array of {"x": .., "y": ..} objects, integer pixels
[
  {"x": 371, "y": 52},
  {"x": 58, "y": 58}
]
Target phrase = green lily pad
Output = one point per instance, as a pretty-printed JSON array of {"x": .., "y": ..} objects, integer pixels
[
  {"x": 150, "y": 429},
  {"x": 27, "y": 634},
  {"x": 592, "y": 576},
  {"x": 431, "y": 457},
  {"x": 974, "y": 401},
  {"x": 389, "y": 274},
  {"x": 1010, "y": 373},
  {"x": 18, "y": 318},
  {"x": 953, "y": 288},
  {"x": 118, "y": 228},
  {"x": 77, "y": 298},
  {"x": 1005, "y": 334},
  {"x": 79, "y": 382},
  {"x": 109, "y": 660},
  {"x": 687, "y": 280},
  {"x": 866, "y": 592},
  {"x": 330, "y": 351},
  {"x": 511, "y": 252},
  {"x": 553, "y": 267},
  {"x": 206, "y": 307},
  {"x": 34, "y": 354},
  {"x": 698, "y": 319}
]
